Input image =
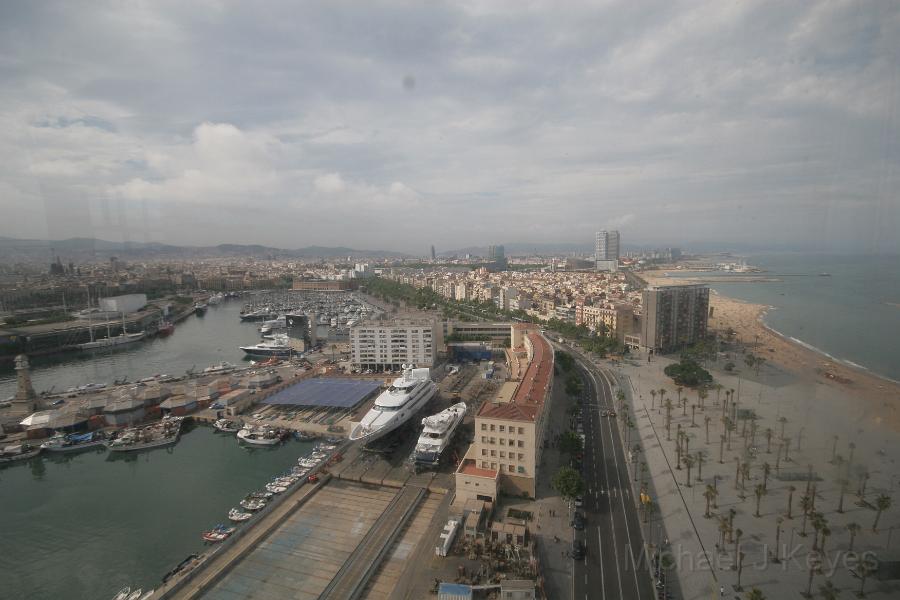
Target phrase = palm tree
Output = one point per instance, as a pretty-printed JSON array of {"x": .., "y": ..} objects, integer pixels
[
  {"x": 787, "y": 446},
  {"x": 737, "y": 473},
  {"x": 791, "y": 490},
  {"x": 731, "y": 514},
  {"x": 766, "y": 470},
  {"x": 853, "y": 529},
  {"x": 710, "y": 494},
  {"x": 688, "y": 462},
  {"x": 864, "y": 570},
  {"x": 652, "y": 398},
  {"x": 756, "y": 594},
  {"x": 834, "y": 449},
  {"x": 806, "y": 506},
  {"x": 718, "y": 387},
  {"x": 882, "y": 503},
  {"x": 769, "y": 440},
  {"x": 737, "y": 542},
  {"x": 815, "y": 567},
  {"x": 668, "y": 405},
  {"x": 818, "y": 522},
  {"x": 693, "y": 415},
  {"x": 783, "y": 421},
  {"x": 723, "y": 530},
  {"x": 706, "y": 421},
  {"x": 684, "y": 408},
  {"x": 760, "y": 492},
  {"x": 678, "y": 440},
  {"x": 843, "y": 483},
  {"x": 678, "y": 391},
  {"x": 861, "y": 493},
  {"x": 826, "y": 531},
  {"x": 778, "y": 458},
  {"x": 740, "y": 569},
  {"x": 745, "y": 474},
  {"x": 703, "y": 395},
  {"x": 722, "y": 449},
  {"x": 778, "y": 522},
  {"x": 828, "y": 591},
  {"x": 699, "y": 467},
  {"x": 852, "y": 447}
]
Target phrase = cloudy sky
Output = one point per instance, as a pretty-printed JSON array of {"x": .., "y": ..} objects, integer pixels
[{"x": 400, "y": 125}]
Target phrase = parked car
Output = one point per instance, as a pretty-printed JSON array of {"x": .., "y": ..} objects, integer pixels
[
  {"x": 578, "y": 521},
  {"x": 579, "y": 501}
]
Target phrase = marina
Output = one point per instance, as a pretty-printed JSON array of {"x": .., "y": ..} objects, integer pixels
[{"x": 93, "y": 518}]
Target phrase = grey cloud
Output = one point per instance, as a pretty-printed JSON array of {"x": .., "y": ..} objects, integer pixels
[{"x": 766, "y": 122}]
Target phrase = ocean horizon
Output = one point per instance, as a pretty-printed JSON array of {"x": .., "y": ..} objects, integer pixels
[{"x": 845, "y": 307}]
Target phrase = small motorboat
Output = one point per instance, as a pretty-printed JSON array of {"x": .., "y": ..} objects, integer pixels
[
  {"x": 253, "y": 505},
  {"x": 238, "y": 516},
  {"x": 227, "y": 426},
  {"x": 218, "y": 533},
  {"x": 275, "y": 488},
  {"x": 259, "y": 495},
  {"x": 123, "y": 593},
  {"x": 136, "y": 594}
]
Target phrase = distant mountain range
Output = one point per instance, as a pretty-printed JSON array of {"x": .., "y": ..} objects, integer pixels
[{"x": 89, "y": 249}]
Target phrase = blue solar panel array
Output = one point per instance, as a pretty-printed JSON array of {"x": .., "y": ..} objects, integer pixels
[{"x": 336, "y": 393}]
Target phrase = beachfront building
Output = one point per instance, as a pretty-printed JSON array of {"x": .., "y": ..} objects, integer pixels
[
  {"x": 387, "y": 346},
  {"x": 674, "y": 316},
  {"x": 606, "y": 251},
  {"x": 510, "y": 429},
  {"x": 611, "y": 320}
]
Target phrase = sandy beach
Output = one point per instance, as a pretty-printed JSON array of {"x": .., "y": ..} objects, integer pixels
[{"x": 879, "y": 394}]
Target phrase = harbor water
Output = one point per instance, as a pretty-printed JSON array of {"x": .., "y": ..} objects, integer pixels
[
  {"x": 845, "y": 306},
  {"x": 198, "y": 342},
  {"x": 84, "y": 526}
]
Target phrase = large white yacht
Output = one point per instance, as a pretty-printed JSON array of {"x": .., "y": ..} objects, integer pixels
[
  {"x": 437, "y": 432},
  {"x": 396, "y": 405}
]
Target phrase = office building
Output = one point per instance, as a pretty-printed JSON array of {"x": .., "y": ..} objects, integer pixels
[
  {"x": 606, "y": 251},
  {"x": 386, "y": 346},
  {"x": 674, "y": 316},
  {"x": 497, "y": 258}
]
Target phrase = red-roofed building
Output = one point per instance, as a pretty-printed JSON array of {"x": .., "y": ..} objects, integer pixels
[{"x": 509, "y": 431}]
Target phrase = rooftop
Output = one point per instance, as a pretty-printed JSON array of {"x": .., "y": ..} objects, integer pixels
[{"x": 528, "y": 400}]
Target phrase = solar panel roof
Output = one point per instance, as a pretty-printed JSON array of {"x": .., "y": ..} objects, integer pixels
[{"x": 328, "y": 392}]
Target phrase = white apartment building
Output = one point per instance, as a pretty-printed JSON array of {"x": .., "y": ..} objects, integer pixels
[{"x": 387, "y": 346}]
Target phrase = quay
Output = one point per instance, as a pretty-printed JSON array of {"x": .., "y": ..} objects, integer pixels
[{"x": 336, "y": 538}]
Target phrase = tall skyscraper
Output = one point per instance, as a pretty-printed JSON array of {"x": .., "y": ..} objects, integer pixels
[
  {"x": 674, "y": 316},
  {"x": 606, "y": 251},
  {"x": 497, "y": 258},
  {"x": 432, "y": 253}
]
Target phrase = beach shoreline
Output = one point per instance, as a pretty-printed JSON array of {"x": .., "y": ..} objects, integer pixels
[{"x": 795, "y": 356}]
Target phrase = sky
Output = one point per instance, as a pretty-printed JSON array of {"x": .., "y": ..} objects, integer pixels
[{"x": 398, "y": 125}]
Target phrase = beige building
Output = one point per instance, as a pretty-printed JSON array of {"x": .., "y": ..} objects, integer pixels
[
  {"x": 387, "y": 346},
  {"x": 509, "y": 430},
  {"x": 613, "y": 319}
]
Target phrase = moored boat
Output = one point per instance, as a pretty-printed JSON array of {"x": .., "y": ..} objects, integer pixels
[
  {"x": 237, "y": 516},
  {"x": 253, "y": 504},
  {"x": 73, "y": 442},
  {"x": 227, "y": 426},
  {"x": 164, "y": 433},
  {"x": 258, "y": 437},
  {"x": 18, "y": 452}
]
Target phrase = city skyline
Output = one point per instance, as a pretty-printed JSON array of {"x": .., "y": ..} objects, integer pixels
[{"x": 460, "y": 124}]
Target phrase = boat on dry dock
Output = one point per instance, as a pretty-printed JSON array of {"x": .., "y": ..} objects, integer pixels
[
  {"x": 227, "y": 426},
  {"x": 437, "y": 432}
]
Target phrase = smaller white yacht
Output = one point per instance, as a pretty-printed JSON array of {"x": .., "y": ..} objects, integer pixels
[
  {"x": 273, "y": 325},
  {"x": 258, "y": 437},
  {"x": 396, "y": 405},
  {"x": 437, "y": 433},
  {"x": 275, "y": 347}
]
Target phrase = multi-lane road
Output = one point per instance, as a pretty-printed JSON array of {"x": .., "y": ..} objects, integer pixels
[{"x": 614, "y": 567}]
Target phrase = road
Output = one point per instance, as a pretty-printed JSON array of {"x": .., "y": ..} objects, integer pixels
[{"x": 613, "y": 568}]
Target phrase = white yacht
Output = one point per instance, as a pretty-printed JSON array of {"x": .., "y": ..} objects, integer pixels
[
  {"x": 275, "y": 347},
  {"x": 437, "y": 432},
  {"x": 270, "y": 326},
  {"x": 396, "y": 405}
]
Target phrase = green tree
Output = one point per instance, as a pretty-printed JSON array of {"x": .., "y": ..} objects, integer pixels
[
  {"x": 882, "y": 503},
  {"x": 570, "y": 443},
  {"x": 568, "y": 482},
  {"x": 756, "y": 594}
]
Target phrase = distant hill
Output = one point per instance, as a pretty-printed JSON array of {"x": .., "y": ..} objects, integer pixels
[{"x": 81, "y": 250}]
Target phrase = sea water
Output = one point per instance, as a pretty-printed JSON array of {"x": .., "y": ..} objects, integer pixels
[{"x": 845, "y": 306}]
